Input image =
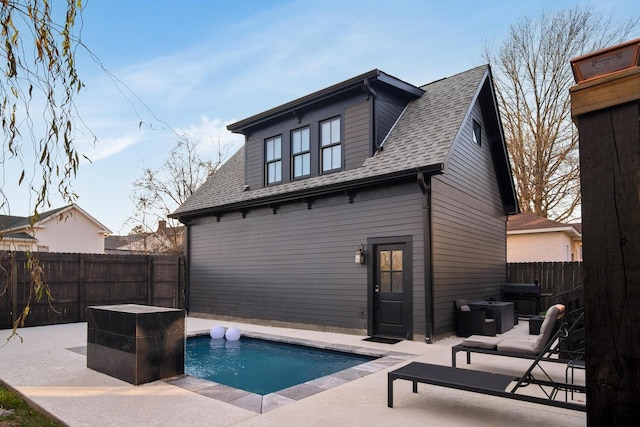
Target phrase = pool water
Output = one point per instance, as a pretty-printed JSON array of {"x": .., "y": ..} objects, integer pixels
[{"x": 260, "y": 366}]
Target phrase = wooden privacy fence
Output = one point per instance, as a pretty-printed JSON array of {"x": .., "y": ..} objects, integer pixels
[
  {"x": 560, "y": 281},
  {"x": 80, "y": 280}
]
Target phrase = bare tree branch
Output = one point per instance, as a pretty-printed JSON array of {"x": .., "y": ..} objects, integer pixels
[
  {"x": 159, "y": 192},
  {"x": 533, "y": 76}
]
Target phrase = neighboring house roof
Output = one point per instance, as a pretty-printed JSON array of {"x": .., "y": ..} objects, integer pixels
[
  {"x": 10, "y": 224},
  {"x": 18, "y": 236},
  {"x": 420, "y": 141},
  {"x": 115, "y": 242},
  {"x": 527, "y": 222},
  {"x": 164, "y": 239}
]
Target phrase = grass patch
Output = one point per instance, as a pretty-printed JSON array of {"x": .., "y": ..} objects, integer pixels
[{"x": 14, "y": 411}]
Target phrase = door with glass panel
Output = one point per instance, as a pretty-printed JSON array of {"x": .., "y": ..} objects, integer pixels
[{"x": 389, "y": 285}]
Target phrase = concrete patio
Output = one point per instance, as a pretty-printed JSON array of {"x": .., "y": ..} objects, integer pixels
[{"x": 49, "y": 369}]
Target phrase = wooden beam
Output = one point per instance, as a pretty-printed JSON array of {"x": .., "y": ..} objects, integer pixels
[
  {"x": 608, "y": 91},
  {"x": 610, "y": 171}
]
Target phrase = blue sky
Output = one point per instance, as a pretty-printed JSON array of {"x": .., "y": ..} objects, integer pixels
[{"x": 192, "y": 67}]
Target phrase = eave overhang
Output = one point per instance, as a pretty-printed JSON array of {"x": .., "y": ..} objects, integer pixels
[
  {"x": 568, "y": 230},
  {"x": 311, "y": 193},
  {"x": 297, "y": 105}
]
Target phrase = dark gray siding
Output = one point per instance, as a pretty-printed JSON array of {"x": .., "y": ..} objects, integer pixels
[
  {"x": 298, "y": 265},
  {"x": 357, "y": 130},
  {"x": 254, "y": 172},
  {"x": 469, "y": 227},
  {"x": 356, "y": 134},
  {"x": 386, "y": 115}
]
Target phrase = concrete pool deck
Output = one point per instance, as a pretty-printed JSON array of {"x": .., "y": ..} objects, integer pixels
[{"x": 49, "y": 369}]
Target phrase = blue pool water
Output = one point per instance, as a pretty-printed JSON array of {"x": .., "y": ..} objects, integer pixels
[{"x": 260, "y": 366}]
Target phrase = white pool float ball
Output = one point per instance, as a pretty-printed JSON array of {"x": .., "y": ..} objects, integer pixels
[
  {"x": 217, "y": 332},
  {"x": 232, "y": 334}
]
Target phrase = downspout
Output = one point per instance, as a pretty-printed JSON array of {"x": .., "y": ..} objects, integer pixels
[
  {"x": 187, "y": 252},
  {"x": 425, "y": 187}
]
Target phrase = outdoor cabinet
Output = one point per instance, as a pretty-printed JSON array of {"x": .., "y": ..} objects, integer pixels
[{"x": 136, "y": 343}]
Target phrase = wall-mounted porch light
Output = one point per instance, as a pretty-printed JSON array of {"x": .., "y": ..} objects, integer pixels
[
  {"x": 361, "y": 255},
  {"x": 606, "y": 61}
]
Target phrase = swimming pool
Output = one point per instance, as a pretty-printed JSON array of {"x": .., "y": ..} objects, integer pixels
[{"x": 260, "y": 366}]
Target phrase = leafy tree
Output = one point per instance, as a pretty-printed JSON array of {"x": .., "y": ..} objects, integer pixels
[
  {"x": 533, "y": 75},
  {"x": 159, "y": 192}
]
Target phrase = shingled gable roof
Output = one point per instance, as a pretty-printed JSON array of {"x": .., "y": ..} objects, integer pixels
[
  {"x": 527, "y": 222},
  {"x": 10, "y": 223},
  {"x": 419, "y": 142}
]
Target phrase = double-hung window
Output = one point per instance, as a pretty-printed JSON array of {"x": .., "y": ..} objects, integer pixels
[
  {"x": 331, "y": 145},
  {"x": 300, "y": 153},
  {"x": 273, "y": 156}
]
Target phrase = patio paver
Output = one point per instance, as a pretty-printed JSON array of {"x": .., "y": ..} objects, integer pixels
[{"x": 50, "y": 370}]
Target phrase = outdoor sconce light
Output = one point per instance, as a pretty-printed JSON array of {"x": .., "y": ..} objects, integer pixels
[
  {"x": 606, "y": 61},
  {"x": 361, "y": 254}
]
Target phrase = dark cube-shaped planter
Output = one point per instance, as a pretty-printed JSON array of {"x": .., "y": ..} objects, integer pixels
[
  {"x": 136, "y": 343},
  {"x": 535, "y": 323}
]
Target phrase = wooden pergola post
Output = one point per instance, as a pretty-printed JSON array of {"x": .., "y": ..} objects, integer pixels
[{"x": 606, "y": 110}]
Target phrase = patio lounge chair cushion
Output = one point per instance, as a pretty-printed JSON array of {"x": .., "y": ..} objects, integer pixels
[
  {"x": 535, "y": 346},
  {"x": 470, "y": 322},
  {"x": 480, "y": 341}
]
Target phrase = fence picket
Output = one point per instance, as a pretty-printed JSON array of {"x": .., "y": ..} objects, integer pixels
[
  {"x": 79, "y": 280},
  {"x": 556, "y": 278}
]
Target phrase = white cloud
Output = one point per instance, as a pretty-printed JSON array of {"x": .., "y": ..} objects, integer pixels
[
  {"x": 107, "y": 147},
  {"x": 209, "y": 132}
]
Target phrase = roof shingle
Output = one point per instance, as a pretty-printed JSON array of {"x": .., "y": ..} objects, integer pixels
[{"x": 530, "y": 221}]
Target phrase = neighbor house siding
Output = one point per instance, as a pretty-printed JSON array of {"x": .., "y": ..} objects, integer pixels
[
  {"x": 469, "y": 226},
  {"x": 298, "y": 265},
  {"x": 541, "y": 247},
  {"x": 71, "y": 232}
]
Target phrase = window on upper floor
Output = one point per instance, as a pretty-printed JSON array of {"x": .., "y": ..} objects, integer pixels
[
  {"x": 331, "y": 145},
  {"x": 477, "y": 133},
  {"x": 300, "y": 153},
  {"x": 273, "y": 160}
]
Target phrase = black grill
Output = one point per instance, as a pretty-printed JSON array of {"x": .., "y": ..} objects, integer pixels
[{"x": 528, "y": 293}]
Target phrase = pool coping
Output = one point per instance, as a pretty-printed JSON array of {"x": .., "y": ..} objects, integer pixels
[{"x": 261, "y": 404}]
